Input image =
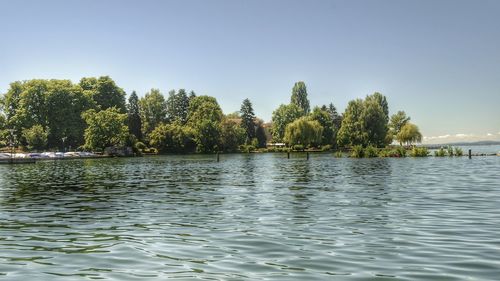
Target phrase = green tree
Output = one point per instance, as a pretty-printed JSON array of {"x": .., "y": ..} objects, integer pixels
[
  {"x": 177, "y": 106},
  {"x": 352, "y": 131},
  {"x": 375, "y": 122},
  {"x": 205, "y": 117},
  {"x": 282, "y": 116},
  {"x": 299, "y": 97},
  {"x": 153, "y": 111},
  {"x": 409, "y": 134},
  {"x": 303, "y": 131},
  {"x": 105, "y": 128},
  {"x": 398, "y": 120},
  {"x": 65, "y": 103},
  {"x": 325, "y": 120},
  {"x": 134, "y": 116},
  {"x": 173, "y": 138},
  {"x": 260, "y": 133},
  {"x": 232, "y": 135},
  {"x": 36, "y": 137},
  {"x": 104, "y": 92},
  {"x": 248, "y": 119}
]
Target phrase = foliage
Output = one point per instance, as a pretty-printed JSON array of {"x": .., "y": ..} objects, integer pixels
[
  {"x": 397, "y": 122},
  {"x": 338, "y": 154},
  {"x": 172, "y": 138},
  {"x": 298, "y": 147},
  {"x": 357, "y": 151},
  {"x": 327, "y": 147},
  {"x": 104, "y": 92},
  {"x": 325, "y": 120},
  {"x": 36, "y": 137},
  {"x": 205, "y": 117},
  {"x": 370, "y": 151},
  {"x": 140, "y": 146},
  {"x": 177, "y": 106},
  {"x": 260, "y": 134},
  {"x": 134, "y": 116},
  {"x": 299, "y": 97},
  {"x": 284, "y": 115},
  {"x": 105, "y": 128},
  {"x": 153, "y": 111},
  {"x": 352, "y": 131},
  {"x": 375, "y": 120},
  {"x": 449, "y": 150},
  {"x": 459, "y": 151},
  {"x": 441, "y": 152},
  {"x": 248, "y": 119},
  {"x": 232, "y": 135},
  {"x": 419, "y": 152},
  {"x": 303, "y": 131},
  {"x": 409, "y": 134}
]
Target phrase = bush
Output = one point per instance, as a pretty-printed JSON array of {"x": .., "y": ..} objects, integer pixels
[
  {"x": 326, "y": 147},
  {"x": 440, "y": 153},
  {"x": 401, "y": 151},
  {"x": 459, "y": 151},
  {"x": 140, "y": 145},
  {"x": 298, "y": 147},
  {"x": 450, "y": 150},
  {"x": 357, "y": 151},
  {"x": 419, "y": 152},
  {"x": 371, "y": 152},
  {"x": 338, "y": 154},
  {"x": 247, "y": 148}
]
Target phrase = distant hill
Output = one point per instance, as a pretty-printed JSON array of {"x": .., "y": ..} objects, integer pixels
[{"x": 464, "y": 143}]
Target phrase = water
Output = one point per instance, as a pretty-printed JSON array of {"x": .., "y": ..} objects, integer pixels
[{"x": 251, "y": 217}]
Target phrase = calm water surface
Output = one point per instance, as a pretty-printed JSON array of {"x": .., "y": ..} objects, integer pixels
[{"x": 251, "y": 217}]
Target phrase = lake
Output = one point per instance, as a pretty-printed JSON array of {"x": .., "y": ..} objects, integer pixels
[{"x": 251, "y": 217}]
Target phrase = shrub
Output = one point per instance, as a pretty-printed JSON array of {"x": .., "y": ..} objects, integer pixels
[
  {"x": 298, "y": 147},
  {"x": 357, "y": 151},
  {"x": 371, "y": 152},
  {"x": 326, "y": 147},
  {"x": 450, "y": 150},
  {"x": 419, "y": 152},
  {"x": 458, "y": 151},
  {"x": 140, "y": 145},
  {"x": 338, "y": 154},
  {"x": 440, "y": 152},
  {"x": 401, "y": 151}
]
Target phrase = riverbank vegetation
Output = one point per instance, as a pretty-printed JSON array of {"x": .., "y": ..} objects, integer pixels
[{"x": 95, "y": 114}]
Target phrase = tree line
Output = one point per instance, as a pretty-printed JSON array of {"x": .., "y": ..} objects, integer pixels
[{"x": 95, "y": 113}]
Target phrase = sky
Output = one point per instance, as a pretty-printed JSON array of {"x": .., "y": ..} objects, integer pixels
[{"x": 437, "y": 60}]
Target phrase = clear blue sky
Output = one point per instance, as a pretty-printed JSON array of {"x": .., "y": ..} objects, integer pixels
[{"x": 437, "y": 60}]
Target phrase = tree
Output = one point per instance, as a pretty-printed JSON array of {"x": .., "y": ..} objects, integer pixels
[
  {"x": 375, "y": 122},
  {"x": 303, "y": 131},
  {"x": 260, "y": 134},
  {"x": 65, "y": 103},
  {"x": 299, "y": 96},
  {"x": 325, "y": 120},
  {"x": 36, "y": 137},
  {"x": 248, "y": 120},
  {"x": 232, "y": 135},
  {"x": 282, "y": 116},
  {"x": 177, "y": 106},
  {"x": 134, "y": 116},
  {"x": 153, "y": 111},
  {"x": 382, "y": 101},
  {"x": 173, "y": 138},
  {"x": 205, "y": 117},
  {"x": 105, "y": 128},
  {"x": 352, "y": 131},
  {"x": 409, "y": 134},
  {"x": 104, "y": 92},
  {"x": 398, "y": 120}
]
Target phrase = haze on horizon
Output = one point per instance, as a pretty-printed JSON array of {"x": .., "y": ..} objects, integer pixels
[{"x": 437, "y": 60}]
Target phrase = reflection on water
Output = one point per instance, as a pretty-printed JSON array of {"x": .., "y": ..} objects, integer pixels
[{"x": 251, "y": 217}]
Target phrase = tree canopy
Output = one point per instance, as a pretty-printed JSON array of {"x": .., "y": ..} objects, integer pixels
[{"x": 299, "y": 97}]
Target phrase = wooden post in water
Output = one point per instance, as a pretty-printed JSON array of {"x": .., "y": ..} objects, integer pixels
[
  {"x": 470, "y": 153},
  {"x": 288, "y": 154},
  {"x": 218, "y": 157},
  {"x": 307, "y": 155}
]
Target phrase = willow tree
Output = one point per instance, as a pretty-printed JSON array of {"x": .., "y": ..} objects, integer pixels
[
  {"x": 409, "y": 134},
  {"x": 299, "y": 97},
  {"x": 397, "y": 121},
  {"x": 303, "y": 131}
]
